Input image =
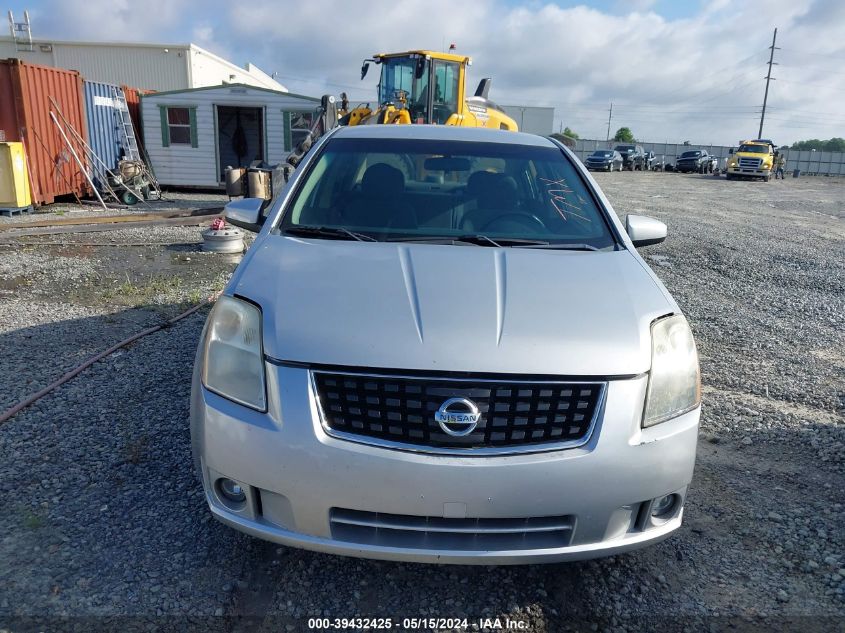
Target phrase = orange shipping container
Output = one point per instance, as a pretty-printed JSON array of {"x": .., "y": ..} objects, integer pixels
[{"x": 25, "y": 91}]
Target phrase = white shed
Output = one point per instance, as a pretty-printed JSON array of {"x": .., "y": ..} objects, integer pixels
[{"x": 191, "y": 136}]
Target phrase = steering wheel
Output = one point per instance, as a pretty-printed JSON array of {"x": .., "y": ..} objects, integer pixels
[{"x": 528, "y": 220}]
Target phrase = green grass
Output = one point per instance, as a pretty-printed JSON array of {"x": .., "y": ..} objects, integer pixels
[{"x": 138, "y": 293}]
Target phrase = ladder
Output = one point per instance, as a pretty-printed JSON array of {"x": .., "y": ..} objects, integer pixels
[
  {"x": 21, "y": 32},
  {"x": 128, "y": 140},
  {"x": 124, "y": 125}
]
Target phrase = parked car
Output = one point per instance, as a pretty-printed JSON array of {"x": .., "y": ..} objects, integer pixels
[
  {"x": 633, "y": 156},
  {"x": 604, "y": 160},
  {"x": 476, "y": 370},
  {"x": 693, "y": 161}
]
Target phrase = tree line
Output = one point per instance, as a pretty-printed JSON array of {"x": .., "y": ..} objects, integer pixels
[{"x": 835, "y": 144}]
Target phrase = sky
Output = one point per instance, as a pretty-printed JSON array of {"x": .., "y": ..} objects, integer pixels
[{"x": 675, "y": 70}]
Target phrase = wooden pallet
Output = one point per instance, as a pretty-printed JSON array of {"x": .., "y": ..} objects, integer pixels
[{"x": 10, "y": 211}]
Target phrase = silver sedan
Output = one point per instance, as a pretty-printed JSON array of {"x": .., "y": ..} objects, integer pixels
[{"x": 444, "y": 347}]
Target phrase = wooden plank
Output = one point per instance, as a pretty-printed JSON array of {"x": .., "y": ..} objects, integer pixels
[{"x": 114, "y": 219}]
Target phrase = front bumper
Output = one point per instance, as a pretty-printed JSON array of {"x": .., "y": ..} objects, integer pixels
[
  {"x": 297, "y": 477},
  {"x": 599, "y": 166},
  {"x": 761, "y": 172},
  {"x": 688, "y": 167}
]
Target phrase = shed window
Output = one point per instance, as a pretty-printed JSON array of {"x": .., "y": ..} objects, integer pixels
[
  {"x": 178, "y": 126},
  {"x": 297, "y": 125},
  {"x": 179, "y": 122}
]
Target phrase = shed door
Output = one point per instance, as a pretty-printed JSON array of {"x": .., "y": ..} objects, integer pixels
[{"x": 240, "y": 137}]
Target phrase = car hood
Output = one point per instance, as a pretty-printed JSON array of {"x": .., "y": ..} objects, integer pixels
[{"x": 453, "y": 307}]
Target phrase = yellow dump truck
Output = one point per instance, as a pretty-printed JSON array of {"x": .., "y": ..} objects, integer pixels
[{"x": 753, "y": 159}]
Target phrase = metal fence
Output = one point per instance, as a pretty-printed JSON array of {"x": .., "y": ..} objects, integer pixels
[{"x": 808, "y": 162}]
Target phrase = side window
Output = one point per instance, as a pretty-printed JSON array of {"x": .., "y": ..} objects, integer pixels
[
  {"x": 178, "y": 126},
  {"x": 297, "y": 125},
  {"x": 445, "y": 90}
]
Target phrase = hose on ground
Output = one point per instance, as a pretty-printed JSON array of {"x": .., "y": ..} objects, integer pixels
[{"x": 23, "y": 404}]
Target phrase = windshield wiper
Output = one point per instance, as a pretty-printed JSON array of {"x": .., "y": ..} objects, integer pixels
[
  {"x": 563, "y": 247},
  {"x": 500, "y": 241},
  {"x": 477, "y": 239},
  {"x": 327, "y": 231}
]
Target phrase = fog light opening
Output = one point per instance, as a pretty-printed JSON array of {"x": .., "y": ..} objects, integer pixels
[
  {"x": 664, "y": 507},
  {"x": 231, "y": 493}
]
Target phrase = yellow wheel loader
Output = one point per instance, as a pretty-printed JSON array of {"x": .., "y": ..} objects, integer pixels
[{"x": 415, "y": 87}]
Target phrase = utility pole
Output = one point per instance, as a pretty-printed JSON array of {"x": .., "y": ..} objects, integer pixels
[
  {"x": 768, "y": 79},
  {"x": 609, "y": 117}
]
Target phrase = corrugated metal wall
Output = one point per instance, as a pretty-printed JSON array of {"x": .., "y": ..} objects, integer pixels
[
  {"x": 25, "y": 103},
  {"x": 101, "y": 116},
  {"x": 153, "y": 67},
  {"x": 532, "y": 119}
]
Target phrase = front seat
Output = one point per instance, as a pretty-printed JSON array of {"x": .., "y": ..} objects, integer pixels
[
  {"x": 496, "y": 196},
  {"x": 380, "y": 203}
]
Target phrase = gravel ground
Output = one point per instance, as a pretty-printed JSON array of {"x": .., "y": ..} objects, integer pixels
[
  {"x": 172, "y": 201},
  {"x": 102, "y": 517}
]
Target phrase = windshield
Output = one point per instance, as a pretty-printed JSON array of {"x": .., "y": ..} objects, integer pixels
[
  {"x": 410, "y": 75},
  {"x": 624, "y": 148},
  {"x": 754, "y": 149},
  {"x": 602, "y": 154},
  {"x": 403, "y": 189},
  {"x": 690, "y": 154}
]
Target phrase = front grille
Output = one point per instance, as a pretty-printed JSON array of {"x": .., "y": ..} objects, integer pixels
[
  {"x": 753, "y": 163},
  {"x": 401, "y": 410},
  {"x": 420, "y": 532}
]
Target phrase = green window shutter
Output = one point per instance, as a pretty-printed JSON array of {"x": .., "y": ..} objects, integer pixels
[
  {"x": 193, "y": 115},
  {"x": 165, "y": 130},
  {"x": 288, "y": 142}
]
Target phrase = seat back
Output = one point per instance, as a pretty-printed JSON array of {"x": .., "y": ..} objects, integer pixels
[
  {"x": 496, "y": 195},
  {"x": 380, "y": 203}
]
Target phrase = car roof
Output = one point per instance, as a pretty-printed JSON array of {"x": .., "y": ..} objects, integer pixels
[{"x": 442, "y": 133}]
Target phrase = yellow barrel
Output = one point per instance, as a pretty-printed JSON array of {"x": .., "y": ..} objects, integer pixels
[{"x": 14, "y": 179}]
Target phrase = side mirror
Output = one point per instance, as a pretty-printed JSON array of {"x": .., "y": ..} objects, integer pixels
[
  {"x": 364, "y": 68},
  {"x": 245, "y": 213},
  {"x": 644, "y": 231}
]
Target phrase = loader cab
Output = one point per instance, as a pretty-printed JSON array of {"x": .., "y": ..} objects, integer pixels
[{"x": 429, "y": 85}]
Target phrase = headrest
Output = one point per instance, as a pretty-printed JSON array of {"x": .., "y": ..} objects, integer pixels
[
  {"x": 499, "y": 193},
  {"x": 382, "y": 180},
  {"x": 478, "y": 181}
]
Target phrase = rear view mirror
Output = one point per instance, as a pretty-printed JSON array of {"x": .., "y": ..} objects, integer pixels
[
  {"x": 245, "y": 213},
  {"x": 644, "y": 231},
  {"x": 446, "y": 163},
  {"x": 364, "y": 68}
]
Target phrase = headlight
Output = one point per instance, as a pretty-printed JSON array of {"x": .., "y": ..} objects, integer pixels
[
  {"x": 674, "y": 383},
  {"x": 233, "y": 362}
]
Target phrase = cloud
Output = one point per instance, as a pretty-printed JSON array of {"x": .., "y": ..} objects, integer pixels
[{"x": 698, "y": 77}]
